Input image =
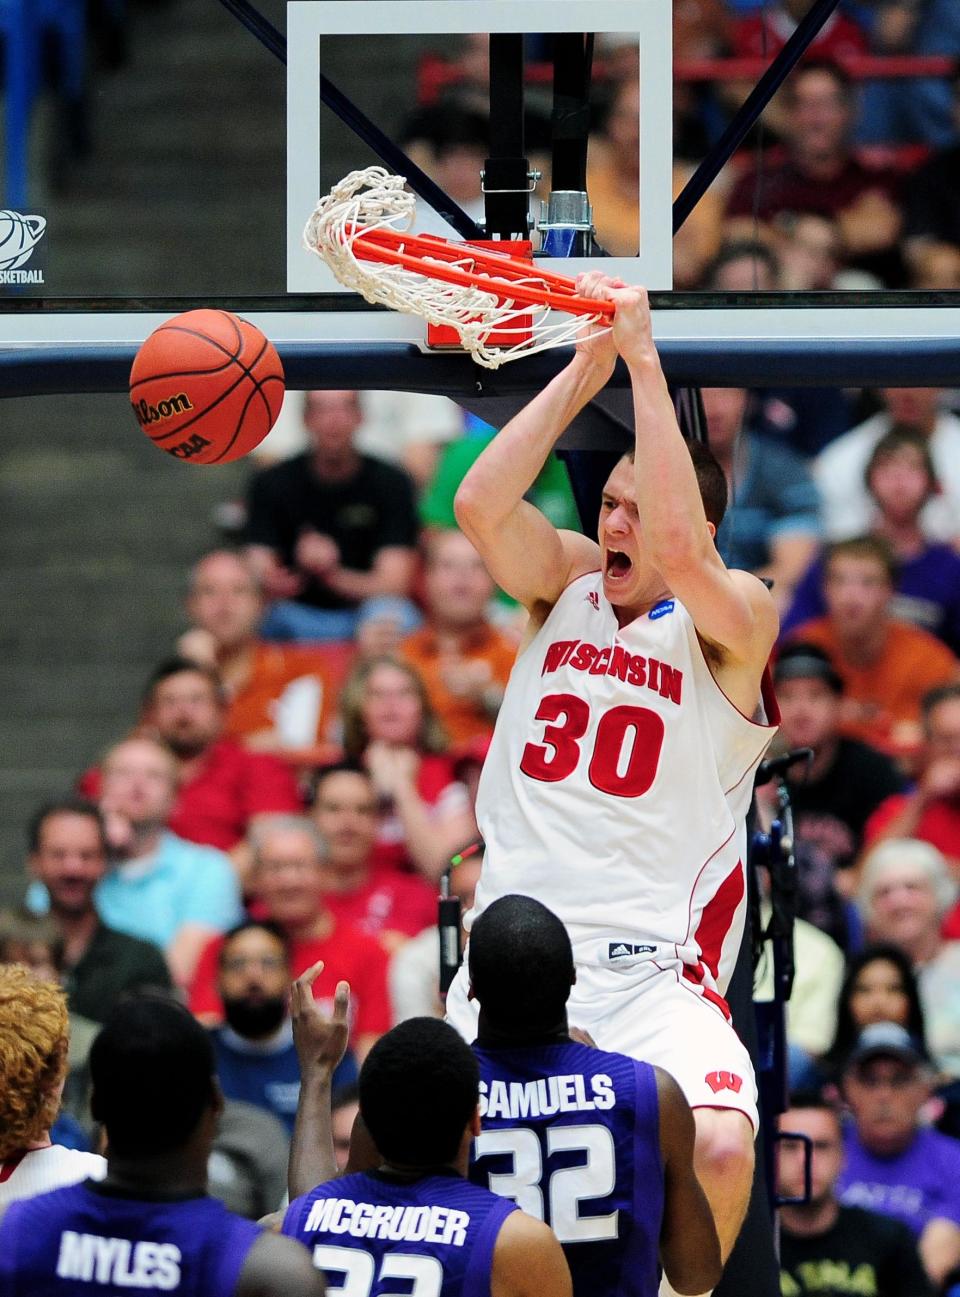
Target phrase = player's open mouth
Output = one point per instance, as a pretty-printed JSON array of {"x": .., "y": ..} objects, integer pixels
[{"x": 618, "y": 564}]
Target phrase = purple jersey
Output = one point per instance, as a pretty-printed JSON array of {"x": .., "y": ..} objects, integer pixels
[
  {"x": 572, "y": 1135},
  {"x": 90, "y": 1239},
  {"x": 371, "y": 1234}
]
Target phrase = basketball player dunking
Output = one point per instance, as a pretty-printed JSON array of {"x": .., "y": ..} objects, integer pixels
[{"x": 621, "y": 768}]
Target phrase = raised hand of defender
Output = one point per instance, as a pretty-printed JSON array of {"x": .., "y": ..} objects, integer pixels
[
  {"x": 595, "y": 341},
  {"x": 320, "y": 1041}
]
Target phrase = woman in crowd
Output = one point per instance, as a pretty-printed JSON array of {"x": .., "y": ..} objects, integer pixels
[
  {"x": 879, "y": 986},
  {"x": 388, "y": 724},
  {"x": 905, "y": 891}
]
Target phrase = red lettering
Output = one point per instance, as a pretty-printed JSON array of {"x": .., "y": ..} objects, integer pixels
[
  {"x": 556, "y": 655},
  {"x": 671, "y": 682},
  {"x": 584, "y": 657},
  {"x": 653, "y": 673},
  {"x": 558, "y": 755},
  {"x": 599, "y": 667},
  {"x": 619, "y": 662},
  {"x": 718, "y": 1081},
  {"x": 638, "y": 669}
]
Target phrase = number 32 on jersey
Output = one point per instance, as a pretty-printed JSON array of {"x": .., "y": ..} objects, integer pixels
[{"x": 626, "y": 747}]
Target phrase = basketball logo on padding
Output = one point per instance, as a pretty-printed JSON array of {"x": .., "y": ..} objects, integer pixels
[{"x": 19, "y": 236}]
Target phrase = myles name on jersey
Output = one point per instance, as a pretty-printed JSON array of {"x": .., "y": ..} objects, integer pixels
[
  {"x": 546, "y": 1096},
  {"x": 91, "y": 1258},
  {"x": 615, "y": 660}
]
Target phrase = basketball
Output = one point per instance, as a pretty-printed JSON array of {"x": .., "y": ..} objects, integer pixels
[
  {"x": 19, "y": 235},
  {"x": 206, "y": 387}
]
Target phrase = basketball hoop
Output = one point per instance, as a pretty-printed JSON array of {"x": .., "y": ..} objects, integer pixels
[{"x": 361, "y": 230}]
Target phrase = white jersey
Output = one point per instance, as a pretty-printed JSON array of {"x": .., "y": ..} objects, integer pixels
[
  {"x": 616, "y": 789},
  {"x": 27, "y": 1174}
]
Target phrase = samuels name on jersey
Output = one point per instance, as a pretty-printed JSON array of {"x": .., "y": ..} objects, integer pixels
[{"x": 546, "y": 1096}]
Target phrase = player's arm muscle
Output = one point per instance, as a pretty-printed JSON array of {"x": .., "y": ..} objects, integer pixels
[
  {"x": 528, "y": 1261},
  {"x": 279, "y": 1267},
  {"x": 689, "y": 1247},
  {"x": 731, "y": 610},
  {"x": 526, "y": 555}
]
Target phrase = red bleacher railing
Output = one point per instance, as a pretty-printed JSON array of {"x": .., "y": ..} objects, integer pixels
[{"x": 435, "y": 74}]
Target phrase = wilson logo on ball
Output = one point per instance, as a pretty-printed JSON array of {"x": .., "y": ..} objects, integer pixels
[{"x": 147, "y": 413}]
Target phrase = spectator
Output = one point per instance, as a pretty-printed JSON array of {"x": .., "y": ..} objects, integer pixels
[
  {"x": 247, "y": 1166},
  {"x": 160, "y": 888},
  {"x": 221, "y": 787},
  {"x": 329, "y": 528},
  {"x": 840, "y": 470},
  {"x": 345, "y": 1106},
  {"x": 385, "y": 904},
  {"x": 389, "y": 725},
  {"x": 932, "y": 215},
  {"x": 451, "y": 142},
  {"x": 256, "y": 1059},
  {"x": 827, "y": 1249},
  {"x": 773, "y": 528},
  {"x": 901, "y": 479},
  {"x": 811, "y": 1012},
  {"x": 415, "y": 967},
  {"x": 886, "y": 666},
  {"x": 463, "y": 660},
  {"x": 279, "y": 696},
  {"x": 805, "y": 419},
  {"x": 905, "y": 891},
  {"x": 879, "y": 986},
  {"x": 834, "y": 796},
  {"x": 931, "y": 809},
  {"x": 764, "y": 35},
  {"x": 68, "y": 859},
  {"x": 893, "y": 1164},
  {"x": 287, "y": 880},
  {"x": 822, "y": 175},
  {"x": 33, "y": 1064}
]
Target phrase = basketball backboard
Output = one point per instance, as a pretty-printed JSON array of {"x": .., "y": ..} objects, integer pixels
[{"x": 184, "y": 199}]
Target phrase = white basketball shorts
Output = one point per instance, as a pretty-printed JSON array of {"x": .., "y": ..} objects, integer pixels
[{"x": 655, "y": 1015}]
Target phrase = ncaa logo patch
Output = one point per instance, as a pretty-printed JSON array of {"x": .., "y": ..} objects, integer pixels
[
  {"x": 661, "y": 609},
  {"x": 718, "y": 1081}
]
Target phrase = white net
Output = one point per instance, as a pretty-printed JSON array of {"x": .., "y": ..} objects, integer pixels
[{"x": 373, "y": 199}]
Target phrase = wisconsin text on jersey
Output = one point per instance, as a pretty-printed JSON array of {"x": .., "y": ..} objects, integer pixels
[
  {"x": 614, "y": 660},
  {"x": 546, "y": 1096}
]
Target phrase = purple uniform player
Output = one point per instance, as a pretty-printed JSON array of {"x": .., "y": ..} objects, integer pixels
[
  {"x": 87, "y": 1238},
  {"x": 571, "y": 1134},
  {"x": 375, "y": 1233},
  {"x": 597, "y": 1145},
  {"x": 148, "y": 1226},
  {"x": 410, "y": 1222}
]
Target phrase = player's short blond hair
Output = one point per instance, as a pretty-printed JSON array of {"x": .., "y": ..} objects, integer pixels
[{"x": 34, "y": 1032}]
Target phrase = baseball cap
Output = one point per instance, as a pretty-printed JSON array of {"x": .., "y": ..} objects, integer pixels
[
  {"x": 801, "y": 661},
  {"x": 885, "y": 1040}
]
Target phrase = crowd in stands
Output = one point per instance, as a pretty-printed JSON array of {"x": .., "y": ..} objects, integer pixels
[{"x": 304, "y": 761}]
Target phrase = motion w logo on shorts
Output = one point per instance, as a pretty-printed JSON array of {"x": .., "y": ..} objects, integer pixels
[{"x": 718, "y": 1081}]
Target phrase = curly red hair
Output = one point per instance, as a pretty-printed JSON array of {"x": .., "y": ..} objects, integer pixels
[{"x": 34, "y": 1033}]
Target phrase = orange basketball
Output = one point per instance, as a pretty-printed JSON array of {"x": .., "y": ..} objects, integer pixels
[{"x": 206, "y": 386}]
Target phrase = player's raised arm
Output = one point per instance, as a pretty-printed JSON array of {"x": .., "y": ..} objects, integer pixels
[
  {"x": 526, "y": 555},
  {"x": 528, "y": 1261},
  {"x": 689, "y": 1247},
  {"x": 731, "y": 610}
]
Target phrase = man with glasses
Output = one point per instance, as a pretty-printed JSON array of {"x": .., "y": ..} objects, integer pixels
[
  {"x": 256, "y": 1058},
  {"x": 895, "y": 1164}
]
